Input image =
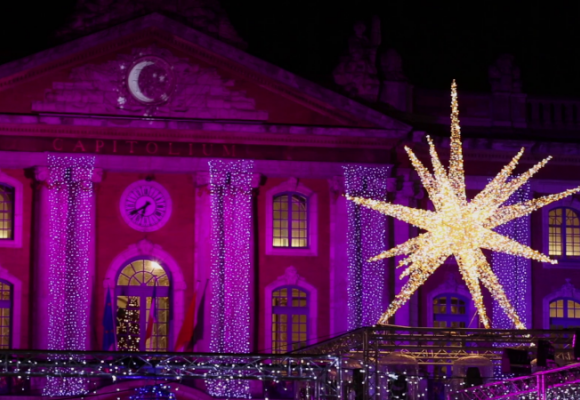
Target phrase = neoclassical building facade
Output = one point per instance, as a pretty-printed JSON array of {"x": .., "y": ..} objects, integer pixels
[{"x": 152, "y": 160}]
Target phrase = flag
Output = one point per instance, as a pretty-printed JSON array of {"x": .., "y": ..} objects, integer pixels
[
  {"x": 152, "y": 320},
  {"x": 186, "y": 331},
  {"x": 199, "y": 326},
  {"x": 109, "y": 340},
  {"x": 185, "y": 339}
]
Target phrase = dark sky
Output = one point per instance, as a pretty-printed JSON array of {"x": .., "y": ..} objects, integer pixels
[{"x": 438, "y": 40}]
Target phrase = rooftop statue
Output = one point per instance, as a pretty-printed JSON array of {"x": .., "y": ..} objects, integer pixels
[
  {"x": 392, "y": 66},
  {"x": 357, "y": 71},
  {"x": 206, "y": 15},
  {"x": 504, "y": 75}
]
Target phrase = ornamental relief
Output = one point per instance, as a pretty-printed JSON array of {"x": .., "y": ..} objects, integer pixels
[{"x": 149, "y": 82}]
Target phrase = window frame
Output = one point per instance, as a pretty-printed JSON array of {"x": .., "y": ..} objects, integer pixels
[
  {"x": 289, "y": 311},
  {"x": 290, "y": 219},
  {"x": 290, "y": 278},
  {"x": 452, "y": 284},
  {"x": 565, "y": 312},
  {"x": 292, "y": 185},
  {"x": 143, "y": 293},
  {"x": 448, "y": 317},
  {"x": 146, "y": 248},
  {"x": 16, "y": 241},
  {"x": 563, "y": 232},
  {"x": 10, "y": 305},
  {"x": 16, "y": 314},
  {"x": 572, "y": 203}
]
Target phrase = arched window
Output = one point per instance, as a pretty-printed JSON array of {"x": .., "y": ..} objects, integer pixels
[
  {"x": 6, "y": 212},
  {"x": 450, "y": 311},
  {"x": 5, "y": 315},
  {"x": 289, "y": 318},
  {"x": 564, "y": 313},
  {"x": 139, "y": 283},
  {"x": 564, "y": 232},
  {"x": 290, "y": 220}
]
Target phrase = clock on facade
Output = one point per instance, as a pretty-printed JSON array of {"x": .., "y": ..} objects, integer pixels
[
  {"x": 145, "y": 206},
  {"x": 150, "y": 80}
]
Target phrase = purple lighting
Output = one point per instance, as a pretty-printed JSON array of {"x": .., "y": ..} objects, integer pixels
[
  {"x": 365, "y": 239},
  {"x": 231, "y": 216},
  {"x": 512, "y": 271},
  {"x": 70, "y": 197}
]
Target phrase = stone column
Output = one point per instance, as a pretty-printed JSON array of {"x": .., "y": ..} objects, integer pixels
[
  {"x": 41, "y": 262},
  {"x": 338, "y": 257},
  {"x": 407, "y": 315},
  {"x": 514, "y": 273},
  {"x": 231, "y": 255},
  {"x": 202, "y": 259},
  {"x": 366, "y": 238},
  {"x": 41, "y": 256}
]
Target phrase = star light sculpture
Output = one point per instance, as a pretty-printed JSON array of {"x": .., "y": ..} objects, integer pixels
[{"x": 460, "y": 227}]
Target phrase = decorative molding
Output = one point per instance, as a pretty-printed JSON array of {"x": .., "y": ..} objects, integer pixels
[
  {"x": 293, "y": 185},
  {"x": 567, "y": 290},
  {"x": 291, "y": 277},
  {"x": 79, "y": 126},
  {"x": 452, "y": 285},
  {"x": 97, "y": 175},
  {"x": 146, "y": 248},
  {"x": 16, "y": 305}
]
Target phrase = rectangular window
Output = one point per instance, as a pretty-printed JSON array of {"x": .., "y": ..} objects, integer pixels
[
  {"x": 5, "y": 316},
  {"x": 6, "y": 212},
  {"x": 289, "y": 319},
  {"x": 289, "y": 221}
]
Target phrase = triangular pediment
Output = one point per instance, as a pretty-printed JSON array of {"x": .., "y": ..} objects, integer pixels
[
  {"x": 150, "y": 81},
  {"x": 114, "y": 72}
]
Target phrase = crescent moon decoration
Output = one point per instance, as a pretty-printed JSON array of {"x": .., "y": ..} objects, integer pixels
[{"x": 133, "y": 81}]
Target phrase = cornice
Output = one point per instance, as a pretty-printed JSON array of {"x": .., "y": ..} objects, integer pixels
[
  {"x": 503, "y": 156},
  {"x": 195, "y": 136}
]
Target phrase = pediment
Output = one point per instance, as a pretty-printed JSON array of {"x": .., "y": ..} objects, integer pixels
[
  {"x": 213, "y": 81},
  {"x": 132, "y": 84}
]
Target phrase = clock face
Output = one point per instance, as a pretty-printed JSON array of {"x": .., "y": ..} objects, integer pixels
[
  {"x": 145, "y": 206},
  {"x": 150, "y": 80}
]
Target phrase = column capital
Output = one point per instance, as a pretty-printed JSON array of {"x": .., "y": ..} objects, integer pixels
[
  {"x": 97, "y": 175},
  {"x": 41, "y": 173},
  {"x": 256, "y": 180},
  {"x": 200, "y": 178}
]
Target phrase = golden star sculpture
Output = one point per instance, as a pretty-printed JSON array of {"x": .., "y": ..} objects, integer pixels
[{"x": 460, "y": 227}]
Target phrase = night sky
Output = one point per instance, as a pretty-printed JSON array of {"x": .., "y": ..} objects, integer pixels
[{"x": 438, "y": 40}]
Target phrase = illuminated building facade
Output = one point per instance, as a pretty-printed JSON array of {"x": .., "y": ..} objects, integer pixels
[{"x": 150, "y": 158}]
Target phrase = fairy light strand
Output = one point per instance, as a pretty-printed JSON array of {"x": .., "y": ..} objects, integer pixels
[
  {"x": 461, "y": 228},
  {"x": 70, "y": 191},
  {"x": 365, "y": 238},
  {"x": 231, "y": 215},
  {"x": 512, "y": 271}
]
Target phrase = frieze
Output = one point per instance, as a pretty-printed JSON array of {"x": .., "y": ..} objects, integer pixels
[{"x": 189, "y": 149}]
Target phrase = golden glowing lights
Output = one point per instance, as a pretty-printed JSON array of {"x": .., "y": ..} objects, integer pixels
[{"x": 460, "y": 227}]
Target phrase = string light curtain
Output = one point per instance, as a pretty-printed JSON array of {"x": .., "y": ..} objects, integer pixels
[
  {"x": 365, "y": 239},
  {"x": 70, "y": 193},
  {"x": 513, "y": 272},
  {"x": 231, "y": 218}
]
